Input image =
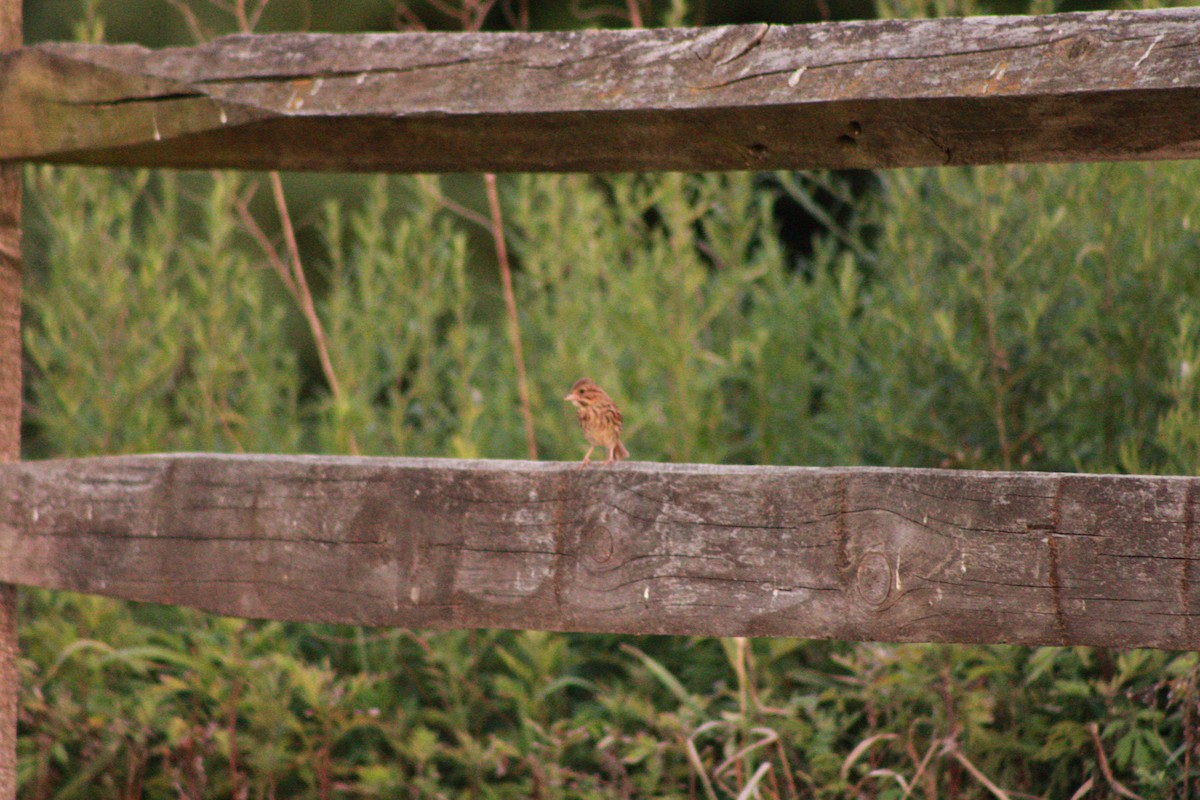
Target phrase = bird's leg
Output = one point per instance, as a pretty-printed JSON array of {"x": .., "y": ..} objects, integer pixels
[
  {"x": 612, "y": 451},
  {"x": 587, "y": 457}
]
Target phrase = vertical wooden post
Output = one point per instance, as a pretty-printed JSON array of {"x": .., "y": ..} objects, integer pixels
[{"x": 10, "y": 413}]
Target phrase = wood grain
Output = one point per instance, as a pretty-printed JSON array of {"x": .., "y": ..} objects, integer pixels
[
  {"x": 1067, "y": 87},
  {"x": 854, "y": 554}
]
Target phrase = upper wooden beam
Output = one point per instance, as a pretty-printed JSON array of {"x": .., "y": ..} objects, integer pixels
[
  {"x": 855, "y": 554},
  {"x": 1064, "y": 87}
]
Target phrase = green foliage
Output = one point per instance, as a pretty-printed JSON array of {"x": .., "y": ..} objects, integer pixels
[
  {"x": 146, "y": 338},
  {"x": 397, "y": 316},
  {"x": 1033, "y": 317},
  {"x": 1003, "y": 317}
]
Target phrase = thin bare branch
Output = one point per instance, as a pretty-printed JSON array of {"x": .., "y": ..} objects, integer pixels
[
  {"x": 195, "y": 27},
  {"x": 599, "y": 12},
  {"x": 466, "y": 213},
  {"x": 405, "y": 19},
  {"x": 920, "y": 773},
  {"x": 304, "y": 296},
  {"x": 1083, "y": 790},
  {"x": 861, "y": 748},
  {"x": 242, "y": 205},
  {"x": 977, "y": 773},
  {"x": 789, "y": 777},
  {"x": 891, "y": 773},
  {"x": 481, "y": 9},
  {"x": 635, "y": 13},
  {"x": 446, "y": 9},
  {"x": 697, "y": 763},
  {"x": 768, "y": 736},
  {"x": 470, "y": 14},
  {"x": 518, "y": 18},
  {"x": 239, "y": 13},
  {"x": 510, "y": 304},
  {"x": 256, "y": 15},
  {"x": 223, "y": 5},
  {"x": 1116, "y": 785},
  {"x": 749, "y": 790}
]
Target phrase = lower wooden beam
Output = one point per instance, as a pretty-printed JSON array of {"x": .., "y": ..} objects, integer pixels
[{"x": 855, "y": 554}]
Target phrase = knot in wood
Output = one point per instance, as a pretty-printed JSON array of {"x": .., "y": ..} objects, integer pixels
[
  {"x": 874, "y": 580},
  {"x": 1077, "y": 47},
  {"x": 598, "y": 544}
]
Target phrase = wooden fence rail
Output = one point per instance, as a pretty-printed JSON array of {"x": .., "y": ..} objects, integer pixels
[
  {"x": 1065, "y": 87},
  {"x": 861, "y": 554}
]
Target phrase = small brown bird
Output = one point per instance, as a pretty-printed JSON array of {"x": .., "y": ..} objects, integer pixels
[{"x": 599, "y": 418}]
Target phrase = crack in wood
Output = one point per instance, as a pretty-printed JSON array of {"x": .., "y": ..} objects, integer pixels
[
  {"x": 922, "y": 56},
  {"x": 1185, "y": 577},
  {"x": 842, "y": 531},
  {"x": 100, "y": 535},
  {"x": 967, "y": 582},
  {"x": 754, "y": 42},
  {"x": 924, "y": 524},
  {"x": 668, "y": 556},
  {"x": 1060, "y": 622},
  {"x": 1115, "y": 599},
  {"x": 126, "y": 101},
  {"x": 1147, "y": 556},
  {"x": 461, "y": 548},
  {"x": 358, "y": 74},
  {"x": 305, "y": 587},
  {"x": 763, "y": 586},
  {"x": 292, "y": 77},
  {"x": 502, "y": 501}
]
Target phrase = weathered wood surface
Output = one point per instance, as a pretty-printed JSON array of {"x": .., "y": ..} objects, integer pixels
[
  {"x": 1065, "y": 87},
  {"x": 10, "y": 413},
  {"x": 856, "y": 554}
]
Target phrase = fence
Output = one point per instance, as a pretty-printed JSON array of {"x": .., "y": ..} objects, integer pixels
[{"x": 857, "y": 554}]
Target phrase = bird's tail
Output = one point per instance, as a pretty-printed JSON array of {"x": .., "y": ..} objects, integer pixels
[{"x": 620, "y": 452}]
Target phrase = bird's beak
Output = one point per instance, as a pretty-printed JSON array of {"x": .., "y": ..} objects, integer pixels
[{"x": 568, "y": 398}]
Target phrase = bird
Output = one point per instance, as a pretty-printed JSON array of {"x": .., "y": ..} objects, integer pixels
[{"x": 599, "y": 418}]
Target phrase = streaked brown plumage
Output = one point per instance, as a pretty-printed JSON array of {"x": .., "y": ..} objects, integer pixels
[{"x": 599, "y": 418}]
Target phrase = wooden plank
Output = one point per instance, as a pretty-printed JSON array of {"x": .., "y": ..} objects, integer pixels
[
  {"x": 1065, "y": 87},
  {"x": 855, "y": 554},
  {"x": 10, "y": 414}
]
